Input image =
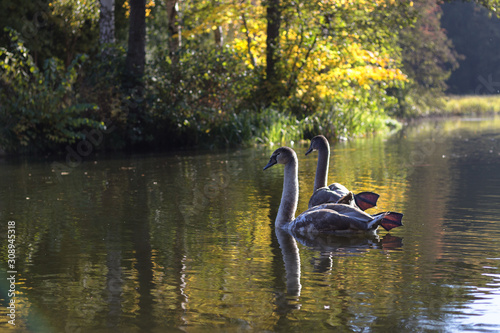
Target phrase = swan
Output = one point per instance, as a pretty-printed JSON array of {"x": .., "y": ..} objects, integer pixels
[
  {"x": 325, "y": 218},
  {"x": 333, "y": 193}
]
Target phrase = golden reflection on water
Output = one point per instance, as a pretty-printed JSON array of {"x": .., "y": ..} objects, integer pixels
[{"x": 186, "y": 241}]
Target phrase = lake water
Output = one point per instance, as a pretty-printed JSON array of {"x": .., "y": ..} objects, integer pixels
[{"x": 185, "y": 241}]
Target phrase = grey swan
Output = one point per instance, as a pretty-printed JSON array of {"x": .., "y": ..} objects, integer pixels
[
  {"x": 332, "y": 194},
  {"x": 326, "y": 218}
]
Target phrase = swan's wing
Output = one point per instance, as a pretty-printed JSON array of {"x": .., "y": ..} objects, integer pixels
[
  {"x": 323, "y": 195},
  {"x": 347, "y": 210},
  {"x": 334, "y": 218},
  {"x": 365, "y": 200},
  {"x": 390, "y": 220},
  {"x": 319, "y": 220}
]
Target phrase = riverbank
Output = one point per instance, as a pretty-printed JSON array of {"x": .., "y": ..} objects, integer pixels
[
  {"x": 467, "y": 105},
  {"x": 270, "y": 126}
]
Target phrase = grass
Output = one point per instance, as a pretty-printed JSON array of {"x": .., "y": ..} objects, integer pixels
[
  {"x": 468, "y": 105},
  {"x": 268, "y": 126}
]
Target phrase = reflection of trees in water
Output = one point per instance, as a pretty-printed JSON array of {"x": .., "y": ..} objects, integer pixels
[
  {"x": 110, "y": 246},
  {"x": 114, "y": 276},
  {"x": 138, "y": 218}
]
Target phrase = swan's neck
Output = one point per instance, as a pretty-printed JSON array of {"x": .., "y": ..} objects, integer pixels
[
  {"x": 322, "y": 168},
  {"x": 290, "y": 195}
]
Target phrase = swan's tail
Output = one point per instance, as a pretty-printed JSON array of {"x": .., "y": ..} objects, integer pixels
[
  {"x": 365, "y": 200},
  {"x": 391, "y": 220}
]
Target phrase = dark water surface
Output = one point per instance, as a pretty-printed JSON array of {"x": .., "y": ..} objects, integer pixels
[{"x": 186, "y": 241}]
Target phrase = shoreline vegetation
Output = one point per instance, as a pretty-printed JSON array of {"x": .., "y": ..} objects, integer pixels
[
  {"x": 273, "y": 127},
  {"x": 467, "y": 105},
  {"x": 142, "y": 77}
]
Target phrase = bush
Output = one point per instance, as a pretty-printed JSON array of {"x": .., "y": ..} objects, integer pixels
[
  {"x": 197, "y": 95},
  {"x": 40, "y": 109}
]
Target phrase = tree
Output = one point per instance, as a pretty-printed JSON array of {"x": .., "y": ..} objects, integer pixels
[
  {"x": 107, "y": 22},
  {"x": 218, "y": 31},
  {"x": 28, "y": 18},
  {"x": 303, "y": 53},
  {"x": 493, "y": 5},
  {"x": 76, "y": 24},
  {"x": 273, "y": 16},
  {"x": 135, "y": 62},
  {"x": 475, "y": 35},
  {"x": 174, "y": 37},
  {"x": 136, "y": 52},
  {"x": 428, "y": 58}
]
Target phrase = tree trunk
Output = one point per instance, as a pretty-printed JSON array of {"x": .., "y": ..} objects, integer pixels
[
  {"x": 218, "y": 37},
  {"x": 272, "y": 43},
  {"x": 249, "y": 40},
  {"x": 273, "y": 30},
  {"x": 107, "y": 22},
  {"x": 174, "y": 34},
  {"x": 136, "y": 53},
  {"x": 173, "y": 27},
  {"x": 134, "y": 70}
]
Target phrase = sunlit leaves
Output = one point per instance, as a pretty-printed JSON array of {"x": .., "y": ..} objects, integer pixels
[
  {"x": 75, "y": 13},
  {"x": 149, "y": 7},
  {"x": 493, "y": 5},
  {"x": 323, "y": 46},
  {"x": 335, "y": 60}
]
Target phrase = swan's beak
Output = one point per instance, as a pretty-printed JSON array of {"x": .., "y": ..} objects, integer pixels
[
  {"x": 310, "y": 150},
  {"x": 270, "y": 164}
]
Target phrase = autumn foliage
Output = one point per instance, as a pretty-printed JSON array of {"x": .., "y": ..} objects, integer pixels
[{"x": 228, "y": 71}]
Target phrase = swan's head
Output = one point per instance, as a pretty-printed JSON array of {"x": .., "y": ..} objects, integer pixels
[
  {"x": 317, "y": 143},
  {"x": 282, "y": 155}
]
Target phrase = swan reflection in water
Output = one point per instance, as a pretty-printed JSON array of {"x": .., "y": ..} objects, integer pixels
[{"x": 328, "y": 246}]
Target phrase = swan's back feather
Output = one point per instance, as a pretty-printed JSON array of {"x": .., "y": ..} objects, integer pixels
[
  {"x": 323, "y": 195},
  {"x": 335, "y": 218},
  {"x": 339, "y": 189},
  {"x": 320, "y": 221}
]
